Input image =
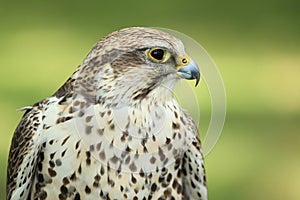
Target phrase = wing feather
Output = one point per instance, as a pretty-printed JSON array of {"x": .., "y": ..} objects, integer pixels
[
  {"x": 194, "y": 179},
  {"x": 23, "y": 155}
]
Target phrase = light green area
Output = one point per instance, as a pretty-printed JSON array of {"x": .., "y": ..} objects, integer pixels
[{"x": 255, "y": 44}]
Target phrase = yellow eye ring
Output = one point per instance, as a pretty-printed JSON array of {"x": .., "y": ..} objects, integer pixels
[{"x": 158, "y": 55}]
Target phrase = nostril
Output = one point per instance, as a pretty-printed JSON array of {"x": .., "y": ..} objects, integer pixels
[{"x": 184, "y": 61}]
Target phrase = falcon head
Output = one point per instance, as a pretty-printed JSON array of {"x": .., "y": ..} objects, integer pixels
[{"x": 133, "y": 64}]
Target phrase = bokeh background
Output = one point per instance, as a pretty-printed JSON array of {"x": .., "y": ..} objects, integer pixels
[{"x": 256, "y": 45}]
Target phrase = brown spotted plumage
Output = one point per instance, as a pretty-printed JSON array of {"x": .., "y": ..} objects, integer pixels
[{"x": 113, "y": 130}]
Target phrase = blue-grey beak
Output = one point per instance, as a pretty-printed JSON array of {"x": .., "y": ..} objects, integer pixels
[{"x": 190, "y": 71}]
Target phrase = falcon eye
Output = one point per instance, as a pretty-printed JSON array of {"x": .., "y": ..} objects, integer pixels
[{"x": 158, "y": 55}]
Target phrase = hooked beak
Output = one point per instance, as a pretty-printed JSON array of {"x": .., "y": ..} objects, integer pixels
[{"x": 189, "y": 71}]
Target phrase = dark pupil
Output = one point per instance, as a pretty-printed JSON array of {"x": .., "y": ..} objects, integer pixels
[{"x": 158, "y": 54}]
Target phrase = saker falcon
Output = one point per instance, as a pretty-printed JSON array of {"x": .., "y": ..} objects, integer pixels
[{"x": 114, "y": 129}]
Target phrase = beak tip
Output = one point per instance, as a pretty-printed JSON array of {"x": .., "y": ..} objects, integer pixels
[
  {"x": 197, "y": 77},
  {"x": 197, "y": 81}
]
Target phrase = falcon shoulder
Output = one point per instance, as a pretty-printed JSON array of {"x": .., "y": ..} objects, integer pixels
[
  {"x": 23, "y": 155},
  {"x": 194, "y": 178}
]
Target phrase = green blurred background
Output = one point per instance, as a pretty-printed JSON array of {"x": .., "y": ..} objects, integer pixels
[{"x": 256, "y": 45}]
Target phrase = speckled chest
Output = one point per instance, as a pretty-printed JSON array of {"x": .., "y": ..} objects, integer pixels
[{"x": 93, "y": 152}]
